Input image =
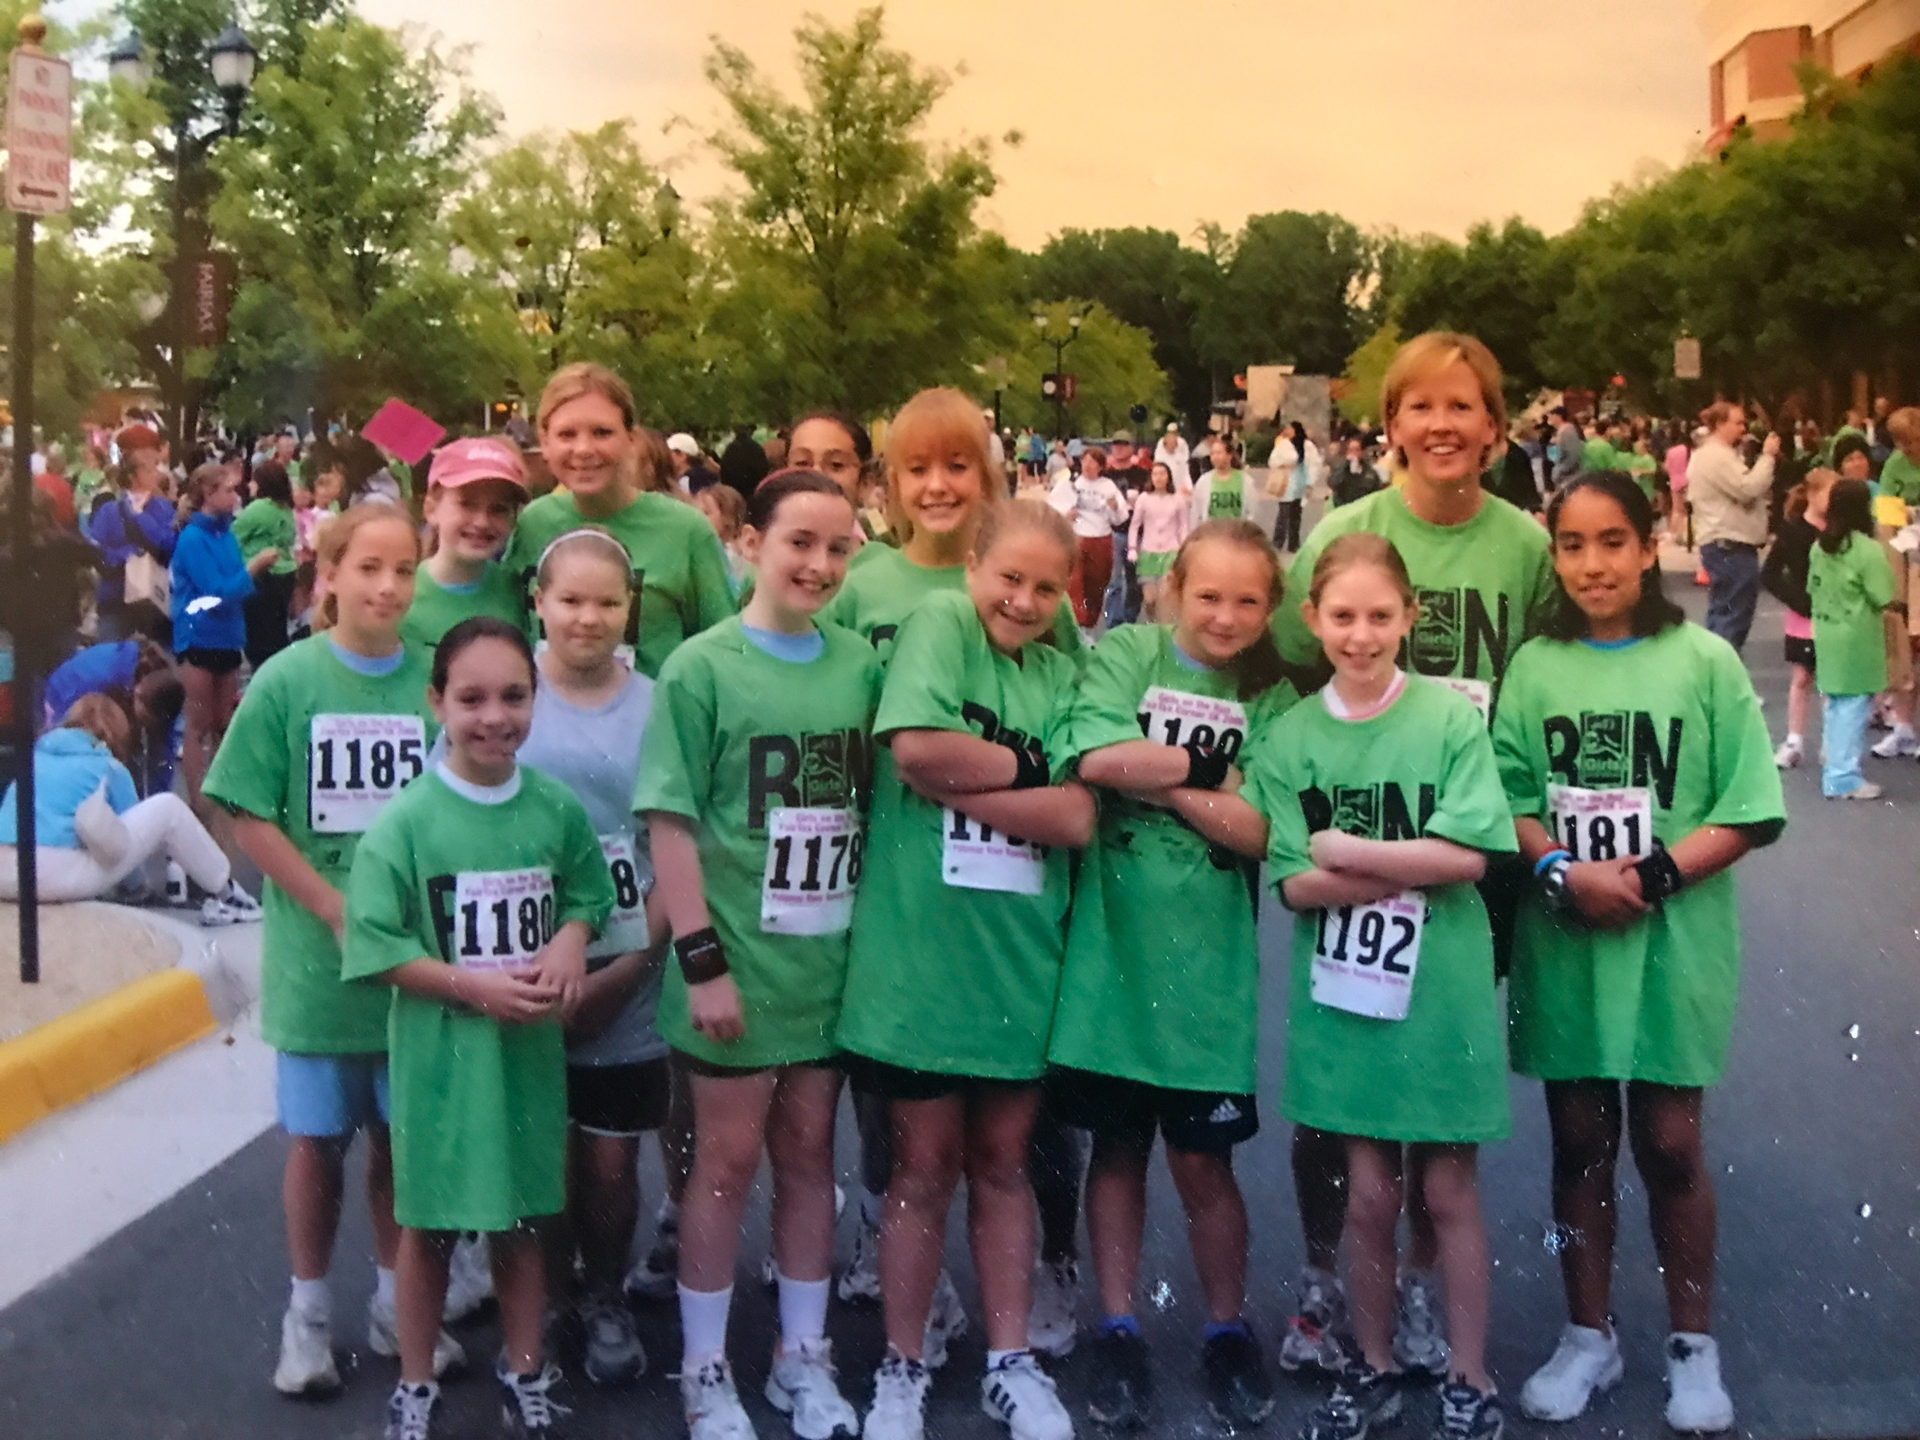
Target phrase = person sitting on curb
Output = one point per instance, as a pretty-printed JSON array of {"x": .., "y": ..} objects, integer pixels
[{"x": 92, "y": 831}]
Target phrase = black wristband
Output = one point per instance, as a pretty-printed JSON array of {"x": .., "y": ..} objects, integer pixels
[
  {"x": 1030, "y": 772},
  {"x": 1206, "y": 769},
  {"x": 700, "y": 955},
  {"x": 1659, "y": 877}
]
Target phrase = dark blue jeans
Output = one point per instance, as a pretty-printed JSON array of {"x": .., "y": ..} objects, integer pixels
[{"x": 1733, "y": 588}]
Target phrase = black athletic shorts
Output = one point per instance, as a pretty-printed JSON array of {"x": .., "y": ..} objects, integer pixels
[
  {"x": 1799, "y": 651},
  {"x": 216, "y": 662},
  {"x": 1501, "y": 889},
  {"x": 693, "y": 1065},
  {"x": 1202, "y": 1122},
  {"x": 896, "y": 1082},
  {"x": 619, "y": 1099}
]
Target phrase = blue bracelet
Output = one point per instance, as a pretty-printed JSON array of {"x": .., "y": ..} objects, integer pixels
[{"x": 1540, "y": 866}]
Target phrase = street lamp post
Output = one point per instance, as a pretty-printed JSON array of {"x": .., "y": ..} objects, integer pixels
[
  {"x": 231, "y": 61},
  {"x": 1041, "y": 322}
]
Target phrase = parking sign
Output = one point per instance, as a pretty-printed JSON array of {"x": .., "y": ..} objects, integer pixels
[{"x": 39, "y": 133}]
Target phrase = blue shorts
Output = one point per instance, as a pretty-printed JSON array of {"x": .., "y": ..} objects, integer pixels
[{"x": 330, "y": 1097}]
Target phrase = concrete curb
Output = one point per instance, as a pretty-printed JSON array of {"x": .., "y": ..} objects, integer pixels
[{"x": 100, "y": 1044}]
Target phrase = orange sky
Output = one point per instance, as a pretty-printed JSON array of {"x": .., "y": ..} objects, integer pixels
[{"x": 1422, "y": 115}]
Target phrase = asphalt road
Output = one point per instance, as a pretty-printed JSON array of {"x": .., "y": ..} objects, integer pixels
[{"x": 170, "y": 1328}]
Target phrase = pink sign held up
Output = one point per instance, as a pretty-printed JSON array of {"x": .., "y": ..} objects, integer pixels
[{"x": 407, "y": 432}]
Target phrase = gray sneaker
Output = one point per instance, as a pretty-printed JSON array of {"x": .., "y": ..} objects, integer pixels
[
  {"x": 1419, "y": 1343},
  {"x": 614, "y": 1355}
]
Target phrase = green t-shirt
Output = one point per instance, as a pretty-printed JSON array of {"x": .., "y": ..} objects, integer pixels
[
  {"x": 883, "y": 586},
  {"x": 678, "y": 570},
  {"x": 1226, "y": 494},
  {"x": 1849, "y": 592},
  {"x": 436, "y": 609},
  {"x": 1900, "y": 477},
  {"x": 313, "y": 749},
  {"x": 947, "y": 976},
  {"x": 1483, "y": 586},
  {"x": 1673, "y": 715},
  {"x": 263, "y": 525},
  {"x": 1423, "y": 767},
  {"x": 1598, "y": 454},
  {"x": 479, "y": 1108},
  {"x": 736, "y": 737},
  {"x": 1161, "y": 983}
]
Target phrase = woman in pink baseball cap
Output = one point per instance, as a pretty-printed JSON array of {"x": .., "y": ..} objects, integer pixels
[{"x": 475, "y": 489}]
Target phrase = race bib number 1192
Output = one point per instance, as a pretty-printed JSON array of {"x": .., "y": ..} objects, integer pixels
[{"x": 1365, "y": 956}]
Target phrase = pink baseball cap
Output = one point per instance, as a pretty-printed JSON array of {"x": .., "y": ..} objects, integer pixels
[{"x": 478, "y": 457}]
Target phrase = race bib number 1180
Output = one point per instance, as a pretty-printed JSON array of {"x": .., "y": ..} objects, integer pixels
[{"x": 501, "y": 918}]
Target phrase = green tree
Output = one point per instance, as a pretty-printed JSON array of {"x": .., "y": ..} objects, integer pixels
[
  {"x": 340, "y": 203},
  {"x": 1293, "y": 291},
  {"x": 1499, "y": 285},
  {"x": 1147, "y": 279},
  {"x": 1112, "y": 364},
  {"x": 879, "y": 274},
  {"x": 1365, "y": 372}
]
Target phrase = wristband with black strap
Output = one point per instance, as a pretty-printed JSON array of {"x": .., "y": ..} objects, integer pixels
[
  {"x": 1206, "y": 768},
  {"x": 1030, "y": 770},
  {"x": 1659, "y": 876},
  {"x": 701, "y": 958}
]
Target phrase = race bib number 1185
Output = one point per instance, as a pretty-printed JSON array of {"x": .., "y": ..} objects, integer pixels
[{"x": 356, "y": 764}]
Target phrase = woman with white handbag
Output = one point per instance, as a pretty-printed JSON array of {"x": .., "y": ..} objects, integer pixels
[
  {"x": 134, "y": 533},
  {"x": 91, "y": 830}
]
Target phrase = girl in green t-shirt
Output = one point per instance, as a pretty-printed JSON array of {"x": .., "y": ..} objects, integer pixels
[
  {"x": 958, "y": 939},
  {"x": 1157, "y": 1022},
  {"x": 474, "y": 895},
  {"x": 1384, "y": 803},
  {"x": 754, "y": 778},
  {"x": 329, "y": 731},
  {"x": 475, "y": 489},
  {"x": 1850, "y": 585},
  {"x": 1636, "y": 764}
]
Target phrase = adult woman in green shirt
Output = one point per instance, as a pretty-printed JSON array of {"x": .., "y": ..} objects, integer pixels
[
  {"x": 1636, "y": 763},
  {"x": 587, "y": 427}
]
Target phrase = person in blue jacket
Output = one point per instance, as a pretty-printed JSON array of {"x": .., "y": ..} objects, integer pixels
[
  {"x": 83, "y": 850},
  {"x": 210, "y": 582},
  {"x": 139, "y": 677},
  {"x": 139, "y": 520}
]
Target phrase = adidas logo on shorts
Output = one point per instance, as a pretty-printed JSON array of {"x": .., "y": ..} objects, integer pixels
[{"x": 1225, "y": 1113}]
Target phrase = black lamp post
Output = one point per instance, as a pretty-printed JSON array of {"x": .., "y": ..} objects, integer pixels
[
  {"x": 1041, "y": 322},
  {"x": 231, "y": 61}
]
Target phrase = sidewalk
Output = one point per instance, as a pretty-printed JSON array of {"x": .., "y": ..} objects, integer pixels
[{"x": 84, "y": 1173}]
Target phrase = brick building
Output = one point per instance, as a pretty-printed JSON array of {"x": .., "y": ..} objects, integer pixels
[{"x": 1754, "y": 47}]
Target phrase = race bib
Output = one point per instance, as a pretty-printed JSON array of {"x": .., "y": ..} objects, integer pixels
[
  {"x": 977, "y": 857},
  {"x": 1602, "y": 824},
  {"x": 1176, "y": 718},
  {"x": 626, "y": 927},
  {"x": 1364, "y": 956},
  {"x": 813, "y": 865},
  {"x": 501, "y": 918},
  {"x": 1478, "y": 691},
  {"x": 356, "y": 764}
]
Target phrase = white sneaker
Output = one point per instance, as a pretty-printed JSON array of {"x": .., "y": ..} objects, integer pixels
[
  {"x": 1021, "y": 1397},
  {"x": 712, "y": 1404},
  {"x": 899, "y": 1409},
  {"x": 1789, "y": 755},
  {"x": 245, "y": 908},
  {"x": 1051, "y": 1324},
  {"x": 469, "y": 1279},
  {"x": 1419, "y": 1343},
  {"x": 657, "y": 1275},
  {"x": 1866, "y": 791},
  {"x": 410, "y": 1411},
  {"x": 946, "y": 1322},
  {"x": 383, "y": 1338},
  {"x": 215, "y": 912},
  {"x": 801, "y": 1387},
  {"x": 1311, "y": 1341},
  {"x": 861, "y": 1279},
  {"x": 1900, "y": 741},
  {"x": 1697, "y": 1403},
  {"x": 1583, "y": 1362},
  {"x": 306, "y": 1356}
]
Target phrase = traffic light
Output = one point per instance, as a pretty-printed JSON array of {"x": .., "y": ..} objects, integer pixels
[{"x": 498, "y": 413}]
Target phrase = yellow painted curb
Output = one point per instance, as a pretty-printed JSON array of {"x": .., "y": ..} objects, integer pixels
[{"x": 99, "y": 1045}]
